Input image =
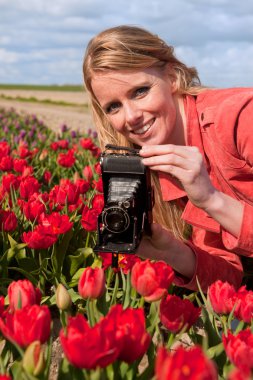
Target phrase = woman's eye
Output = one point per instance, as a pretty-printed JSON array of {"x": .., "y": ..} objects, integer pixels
[
  {"x": 141, "y": 91},
  {"x": 112, "y": 108}
]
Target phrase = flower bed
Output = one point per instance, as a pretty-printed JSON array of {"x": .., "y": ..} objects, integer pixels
[{"x": 111, "y": 319}]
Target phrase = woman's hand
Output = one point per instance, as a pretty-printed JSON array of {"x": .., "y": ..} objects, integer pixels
[
  {"x": 162, "y": 245},
  {"x": 187, "y": 165},
  {"x": 184, "y": 163}
]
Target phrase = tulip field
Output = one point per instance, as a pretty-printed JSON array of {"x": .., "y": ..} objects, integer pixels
[{"x": 123, "y": 323}]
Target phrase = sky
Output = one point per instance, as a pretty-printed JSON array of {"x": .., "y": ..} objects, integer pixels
[{"x": 43, "y": 41}]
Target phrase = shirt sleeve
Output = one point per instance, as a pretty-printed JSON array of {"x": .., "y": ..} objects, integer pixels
[
  {"x": 243, "y": 244},
  {"x": 213, "y": 262}
]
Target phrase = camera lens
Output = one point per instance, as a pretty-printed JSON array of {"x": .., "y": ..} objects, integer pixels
[{"x": 115, "y": 219}]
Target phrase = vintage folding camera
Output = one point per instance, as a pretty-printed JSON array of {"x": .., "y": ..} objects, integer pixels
[{"x": 128, "y": 201}]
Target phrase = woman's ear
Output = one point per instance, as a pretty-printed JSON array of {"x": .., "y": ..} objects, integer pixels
[
  {"x": 174, "y": 86},
  {"x": 170, "y": 72}
]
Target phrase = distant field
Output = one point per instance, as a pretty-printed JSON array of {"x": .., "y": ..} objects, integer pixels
[
  {"x": 55, "y": 105},
  {"x": 42, "y": 87}
]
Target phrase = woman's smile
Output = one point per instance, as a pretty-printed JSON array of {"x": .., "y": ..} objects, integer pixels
[{"x": 143, "y": 129}]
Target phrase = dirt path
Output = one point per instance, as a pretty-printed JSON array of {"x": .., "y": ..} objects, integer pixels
[{"x": 76, "y": 117}]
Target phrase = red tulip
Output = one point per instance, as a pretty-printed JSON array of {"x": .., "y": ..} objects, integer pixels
[
  {"x": 97, "y": 168},
  {"x": 239, "y": 349},
  {"x": 66, "y": 160},
  {"x": 19, "y": 164},
  {"x": 28, "y": 186},
  {"x": 152, "y": 279},
  {"x": 98, "y": 185},
  {"x": 40, "y": 238},
  {"x": 63, "y": 144},
  {"x": 82, "y": 185},
  {"x": 237, "y": 374},
  {"x": 47, "y": 176},
  {"x": 23, "y": 151},
  {"x": 1, "y": 306},
  {"x": 65, "y": 193},
  {"x": 177, "y": 313},
  {"x": 88, "y": 173},
  {"x": 125, "y": 261},
  {"x": 8, "y": 220},
  {"x": 90, "y": 347},
  {"x": 5, "y": 377},
  {"x": 22, "y": 293},
  {"x": 33, "y": 208},
  {"x": 89, "y": 218},
  {"x": 58, "y": 224},
  {"x": 219, "y": 294},
  {"x": 87, "y": 143},
  {"x": 244, "y": 304},
  {"x": 98, "y": 202},
  {"x": 6, "y": 163},
  {"x": 131, "y": 332},
  {"x": 26, "y": 325},
  {"x": 10, "y": 181},
  {"x": 92, "y": 283},
  {"x": 5, "y": 149},
  {"x": 184, "y": 364},
  {"x": 54, "y": 146}
]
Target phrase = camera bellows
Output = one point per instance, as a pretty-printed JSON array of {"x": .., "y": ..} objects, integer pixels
[{"x": 122, "y": 188}]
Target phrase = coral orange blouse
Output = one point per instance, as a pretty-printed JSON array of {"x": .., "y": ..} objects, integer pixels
[{"x": 220, "y": 124}]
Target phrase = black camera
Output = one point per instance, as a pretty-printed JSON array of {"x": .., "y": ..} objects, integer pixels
[{"x": 128, "y": 201}]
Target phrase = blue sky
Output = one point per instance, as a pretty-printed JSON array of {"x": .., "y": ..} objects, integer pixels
[{"x": 43, "y": 41}]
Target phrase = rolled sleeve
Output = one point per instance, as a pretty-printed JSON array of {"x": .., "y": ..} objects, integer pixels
[
  {"x": 244, "y": 242},
  {"x": 210, "y": 267}
]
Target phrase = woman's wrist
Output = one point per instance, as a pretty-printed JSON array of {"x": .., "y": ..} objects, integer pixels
[{"x": 227, "y": 211}]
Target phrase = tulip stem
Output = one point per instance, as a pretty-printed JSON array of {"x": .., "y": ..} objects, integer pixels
[
  {"x": 87, "y": 239},
  {"x": 170, "y": 340},
  {"x": 63, "y": 318},
  {"x": 91, "y": 311},
  {"x": 141, "y": 302},
  {"x": 2, "y": 369},
  {"x": 115, "y": 290},
  {"x": 154, "y": 316}
]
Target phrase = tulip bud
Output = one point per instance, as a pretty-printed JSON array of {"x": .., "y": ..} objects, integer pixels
[
  {"x": 76, "y": 176},
  {"x": 34, "y": 358},
  {"x": 43, "y": 155},
  {"x": 63, "y": 299}
]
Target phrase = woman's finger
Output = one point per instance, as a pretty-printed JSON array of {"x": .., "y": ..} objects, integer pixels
[{"x": 157, "y": 150}]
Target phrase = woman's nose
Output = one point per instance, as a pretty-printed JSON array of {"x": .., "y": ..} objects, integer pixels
[{"x": 133, "y": 114}]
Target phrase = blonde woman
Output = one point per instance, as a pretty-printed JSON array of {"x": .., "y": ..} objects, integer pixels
[{"x": 197, "y": 142}]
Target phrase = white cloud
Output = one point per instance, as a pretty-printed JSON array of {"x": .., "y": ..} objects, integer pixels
[{"x": 44, "y": 40}]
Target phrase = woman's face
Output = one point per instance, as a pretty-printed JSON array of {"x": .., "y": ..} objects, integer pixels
[{"x": 139, "y": 104}]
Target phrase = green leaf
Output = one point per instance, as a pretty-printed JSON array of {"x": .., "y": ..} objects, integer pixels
[
  {"x": 28, "y": 264},
  {"x": 27, "y": 274},
  {"x": 59, "y": 252},
  {"x": 16, "y": 370},
  {"x": 215, "y": 351},
  {"x": 74, "y": 281},
  {"x": 74, "y": 295},
  {"x": 68, "y": 372},
  {"x": 74, "y": 262}
]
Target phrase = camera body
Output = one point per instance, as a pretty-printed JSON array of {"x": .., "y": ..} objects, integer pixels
[{"x": 128, "y": 201}]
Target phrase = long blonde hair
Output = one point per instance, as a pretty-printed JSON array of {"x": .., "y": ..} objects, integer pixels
[{"x": 134, "y": 48}]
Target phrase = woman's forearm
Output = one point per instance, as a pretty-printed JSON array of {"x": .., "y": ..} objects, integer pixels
[
  {"x": 227, "y": 211},
  {"x": 173, "y": 251}
]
